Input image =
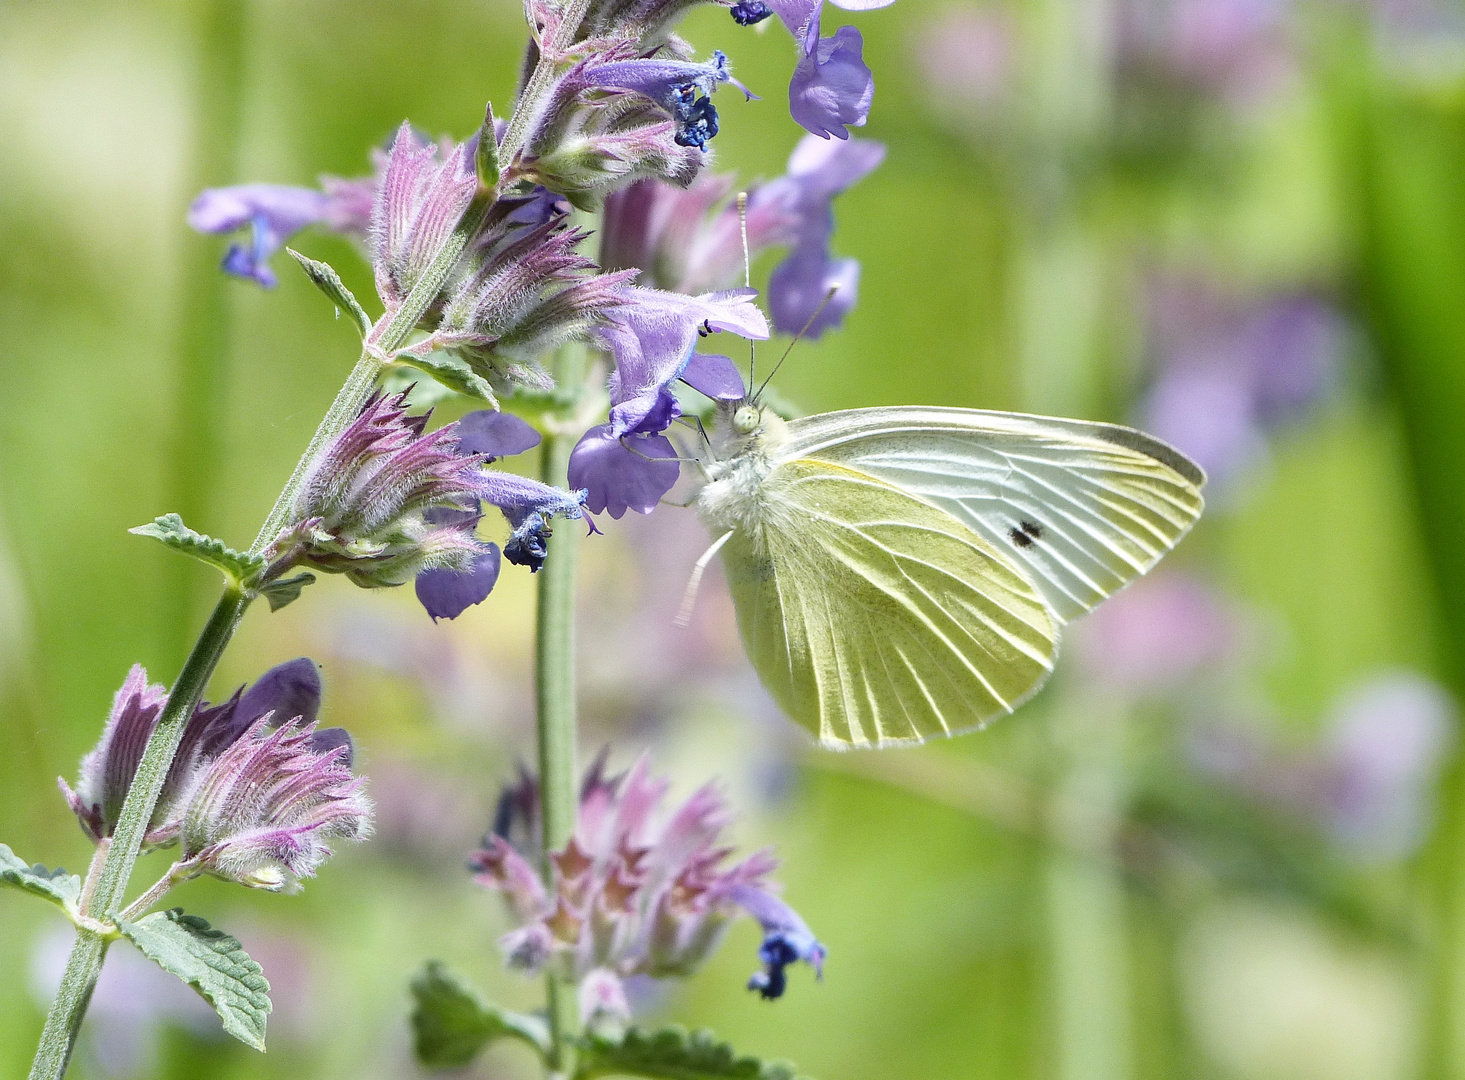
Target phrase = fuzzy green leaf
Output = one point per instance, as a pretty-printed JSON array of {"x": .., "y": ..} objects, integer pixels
[
  {"x": 171, "y": 531},
  {"x": 486, "y": 157},
  {"x": 286, "y": 590},
  {"x": 329, "y": 282},
  {"x": 453, "y": 372},
  {"x": 57, "y": 885},
  {"x": 452, "y": 1022},
  {"x": 673, "y": 1053},
  {"x": 211, "y": 962}
]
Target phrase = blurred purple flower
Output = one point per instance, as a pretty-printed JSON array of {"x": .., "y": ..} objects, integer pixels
[
  {"x": 968, "y": 58},
  {"x": 628, "y": 463},
  {"x": 1385, "y": 745},
  {"x": 272, "y": 212},
  {"x": 1367, "y": 781},
  {"x": 1227, "y": 374},
  {"x": 632, "y": 895},
  {"x": 690, "y": 241},
  {"x": 1235, "y": 47},
  {"x": 1155, "y": 635}
]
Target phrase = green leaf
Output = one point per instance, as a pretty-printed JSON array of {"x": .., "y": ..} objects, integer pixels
[
  {"x": 486, "y": 157},
  {"x": 453, "y": 372},
  {"x": 452, "y": 1022},
  {"x": 286, "y": 590},
  {"x": 57, "y": 886},
  {"x": 171, "y": 531},
  {"x": 211, "y": 962},
  {"x": 329, "y": 282},
  {"x": 673, "y": 1053}
]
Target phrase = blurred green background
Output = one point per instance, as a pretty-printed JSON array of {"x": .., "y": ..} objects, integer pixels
[{"x": 1226, "y": 842}]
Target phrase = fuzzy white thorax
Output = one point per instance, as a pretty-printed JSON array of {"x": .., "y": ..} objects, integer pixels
[{"x": 741, "y": 464}]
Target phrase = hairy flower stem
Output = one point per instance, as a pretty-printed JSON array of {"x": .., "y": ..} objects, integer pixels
[
  {"x": 555, "y": 688},
  {"x": 539, "y": 80},
  {"x": 63, "y": 1022}
]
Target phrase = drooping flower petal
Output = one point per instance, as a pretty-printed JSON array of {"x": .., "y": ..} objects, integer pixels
[
  {"x": 632, "y": 472},
  {"x": 495, "y": 434},
  {"x": 832, "y": 88},
  {"x": 272, "y": 212},
  {"x": 446, "y": 594},
  {"x": 714, "y": 376}
]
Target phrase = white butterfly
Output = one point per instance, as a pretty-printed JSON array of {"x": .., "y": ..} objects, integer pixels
[{"x": 902, "y": 573}]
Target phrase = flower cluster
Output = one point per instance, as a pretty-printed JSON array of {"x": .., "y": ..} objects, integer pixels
[
  {"x": 633, "y": 894},
  {"x": 387, "y": 502},
  {"x": 255, "y": 790}
]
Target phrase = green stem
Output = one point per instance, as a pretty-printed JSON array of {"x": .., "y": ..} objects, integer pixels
[
  {"x": 555, "y": 686},
  {"x": 58, "y": 1037}
]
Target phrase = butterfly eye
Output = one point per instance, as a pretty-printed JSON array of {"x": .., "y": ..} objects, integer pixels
[{"x": 746, "y": 420}]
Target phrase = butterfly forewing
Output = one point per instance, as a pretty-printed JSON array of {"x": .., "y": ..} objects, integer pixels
[
  {"x": 875, "y": 618},
  {"x": 1084, "y": 508}
]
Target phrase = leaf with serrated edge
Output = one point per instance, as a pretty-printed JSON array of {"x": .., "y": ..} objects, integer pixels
[
  {"x": 286, "y": 590},
  {"x": 674, "y": 1053},
  {"x": 171, "y": 531},
  {"x": 452, "y": 1022},
  {"x": 211, "y": 962},
  {"x": 57, "y": 885},
  {"x": 452, "y": 372},
  {"x": 329, "y": 282}
]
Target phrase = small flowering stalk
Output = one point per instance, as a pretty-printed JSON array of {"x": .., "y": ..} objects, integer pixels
[{"x": 634, "y": 891}]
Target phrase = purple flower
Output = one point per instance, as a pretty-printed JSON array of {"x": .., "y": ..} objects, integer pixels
[
  {"x": 787, "y": 939},
  {"x": 446, "y": 594},
  {"x": 529, "y": 507},
  {"x": 635, "y": 892},
  {"x": 968, "y": 58},
  {"x": 691, "y": 241},
  {"x": 272, "y": 212},
  {"x": 261, "y": 813},
  {"x": 285, "y": 692},
  {"x": 628, "y": 463},
  {"x": 684, "y": 90},
  {"x": 831, "y": 86}
]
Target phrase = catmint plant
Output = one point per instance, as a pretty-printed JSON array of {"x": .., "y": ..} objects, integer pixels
[{"x": 488, "y": 291}]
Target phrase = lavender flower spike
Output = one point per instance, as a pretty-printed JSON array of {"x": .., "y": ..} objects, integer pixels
[
  {"x": 262, "y": 812},
  {"x": 786, "y": 939},
  {"x": 285, "y": 692},
  {"x": 634, "y": 892},
  {"x": 273, "y": 213}
]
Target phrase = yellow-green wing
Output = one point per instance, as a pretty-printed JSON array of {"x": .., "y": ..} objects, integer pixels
[
  {"x": 1083, "y": 508},
  {"x": 875, "y": 618}
]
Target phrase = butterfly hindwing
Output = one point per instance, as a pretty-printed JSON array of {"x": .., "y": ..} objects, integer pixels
[
  {"x": 875, "y": 618},
  {"x": 1085, "y": 508}
]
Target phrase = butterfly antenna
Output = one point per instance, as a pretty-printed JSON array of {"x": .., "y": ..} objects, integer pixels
[
  {"x": 803, "y": 330},
  {"x": 747, "y": 278},
  {"x": 689, "y": 597}
]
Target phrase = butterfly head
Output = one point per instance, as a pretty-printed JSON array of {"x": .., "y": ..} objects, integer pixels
[{"x": 747, "y": 418}]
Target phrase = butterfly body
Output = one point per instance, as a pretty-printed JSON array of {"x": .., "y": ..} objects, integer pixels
[{"x": 901, "y": 574}]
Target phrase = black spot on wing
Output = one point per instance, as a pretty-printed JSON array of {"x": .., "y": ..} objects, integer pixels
[{"x": 1020, "y": 538}]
